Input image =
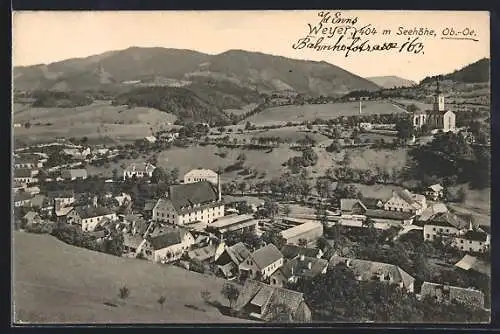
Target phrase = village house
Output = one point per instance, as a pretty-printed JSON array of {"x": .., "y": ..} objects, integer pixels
[
  {"x": 147, "y": 211},
  {"x": 122, "y": 198},
  {"x": 74, "y": 174},
  {"x": 29, "y": 161},
  {"x": 131, "y": 244},
  {"x": 372, "y": 209},
  {"x": 377, "y": 271},
  {"x": 262, "y": 263},
  {"x": 405, "y": 201},
  {"x": 150, "y": 139},
  {"x": 200, "y": 174},
  {"x": 42, "y": 203},
  {"x": 432, "y": 210},
  {"x": 206, "y": 253},
  {"x": 138, "y": 170},
  {"x": 229, "y": 260},
  {"x": 62, "y": 197},
  {"x": 298, "y": 268},
  {"x": 25, "y": 176},
  {"x": 472, "y": 263},
  {"x": 32, "y": 218},
  {"x": 168, "y": 246},
  {"x": 292, "y": 251},
  {"x": 434, "y": 192},
  {"x": 16, "y": 186},
  {"x": 35, "y": 190},
  {"x": 446, "y": 294},
  {"x": 472, "y": 240},
  {"x": 443, "y": 224},
  {"x": 257, "y": 299},
  {"x": 190, "y": 203},
  {"x": 22, "y": 199},
  {"x": 90, "y": 217},
  {"x": 64, "y": 214},
  {"x": 307, "y": 233}
]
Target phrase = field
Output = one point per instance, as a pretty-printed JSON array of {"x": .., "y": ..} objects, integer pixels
[
  {"x": 57, "y": 283},
  {"x": 419, "y": 104},
  {"x": 309, "y": 112},
  {"x": 242, "y": 111},
  {"x": 100, "y": 119},
  {"x": 477, "y": 204},
  {"x": 287, "y": 133}
]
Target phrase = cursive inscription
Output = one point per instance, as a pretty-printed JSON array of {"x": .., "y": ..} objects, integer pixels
[{"x": 335, "y": 32}]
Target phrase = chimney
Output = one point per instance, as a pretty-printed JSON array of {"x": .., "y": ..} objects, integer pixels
[{"x": 219, "y": 192}]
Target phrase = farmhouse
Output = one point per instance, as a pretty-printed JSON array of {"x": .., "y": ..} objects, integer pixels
[
  {"x": 306, "y": 233},
  {"x": 197, "y": 175},
  {"x": 472, "y": 240},
  {"x": 262, "y": 263},
  {"x": 447, "y": 294},
  {"x": 434, "y": 192},
  {"x": 168, "y": 246},
  {"x": 132, "y": 243},
  {"x": 190, "y": 203},
  {"x": 25, "y": 176},
  {"x": 138, "y": 170},
  {"x": 33, "y": 190},
  {"x": 233, "y": 223},
  {"x": 62, "y": 197},
  {"x": 442, "y": 224},
  {"x": 74, "y": 174},
  {"x": 301, "y": 267},
  {"x": 405, "y": 201},
  {"x": 292, "y": 251},
  {"x": 229, "y": 260},
  {"x": 89, "y": 217},
  {"x": 29, "y": 161},
  {"x": 256, "y": 299},
  {"x": 378, "y": 271},
  {"x": 22, "y": 199}
]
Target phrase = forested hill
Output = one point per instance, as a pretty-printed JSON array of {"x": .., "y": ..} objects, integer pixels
[{"x": 477, "y": 72}]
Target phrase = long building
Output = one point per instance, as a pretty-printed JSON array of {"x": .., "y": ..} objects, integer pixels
[
  {"x": 307, "y": 233},
  {"x": 233, "y": 223}
]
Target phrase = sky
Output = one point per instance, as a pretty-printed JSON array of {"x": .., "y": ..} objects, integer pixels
[{"x": 46, "y": 37}]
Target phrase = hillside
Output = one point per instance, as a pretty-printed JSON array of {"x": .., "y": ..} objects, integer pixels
[
  {"x": 183, "y": 103},
  {"x": 58, "y": 283},
  {"x": 477, "y": 72},
  {"x": 391, "y": 81},
  {"x": 173, "y": 67}
]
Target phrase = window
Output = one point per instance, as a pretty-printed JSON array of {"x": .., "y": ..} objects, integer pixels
[
  {"x": 427, "y": 236},
  {"x": 461, "y": 241},
  {"x": 434, "y": 229}
]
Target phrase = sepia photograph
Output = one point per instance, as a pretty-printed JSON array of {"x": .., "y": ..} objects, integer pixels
[{"x": 251, "y": 167}]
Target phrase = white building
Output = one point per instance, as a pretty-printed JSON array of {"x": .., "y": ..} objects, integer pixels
[
  {"x": 190, "y": 203},
  {"x": 263, "y": 262},
  {"x": 91, "y": 217},
  {"x": 197, "y": 175},
  {"x": 167, "y": 246},
  {"x": 139, "y": 170},
  {"x": 405, "y": 201}
]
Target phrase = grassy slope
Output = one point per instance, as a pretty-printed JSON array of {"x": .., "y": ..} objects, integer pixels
[
  {"x": 55, "y": 282},
  {"x": 279, "y": 115},
  {"x": 85, "y": 121}
]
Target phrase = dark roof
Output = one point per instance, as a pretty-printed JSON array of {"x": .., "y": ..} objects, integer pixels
[
  {"x": 292, "y": 251},
  {"x": 300, "y": 267},
  {"x": 405, "y": 195},
  {"x": 22, "y": 172},
  {"x": 371, "y": 203},
  {"x": 346, "y": 204},
  {"x": 238, "y": 252},
  {"x": 266, "y": 255},
  {"x": 149, "y": 205},
  {"x": 22, "y": 196},
  {"x": 474, "y": 235},
  {"x": 203, "y": 253},
  {"x": 90, "y": 211},
  {"x": 447, "y": 219},
  {"x": 385, "y": 214},
  {"x": 187, "y": 195},
  {"x": 168, "y": 238}
]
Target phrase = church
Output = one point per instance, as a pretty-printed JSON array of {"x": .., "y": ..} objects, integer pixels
[{"x": 436, "y": 119}]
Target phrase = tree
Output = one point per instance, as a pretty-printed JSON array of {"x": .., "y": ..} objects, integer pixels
[
  {"x": 461, "y": 195},
  {"x": 271, "y": 208},
  {"x": 161, "y": 301},
  {"x": 124, "y": 292},
  {"x": 231, "y": 293},
  {"x": 286, "y": 210},
  {"x": 405, "y": 129}
]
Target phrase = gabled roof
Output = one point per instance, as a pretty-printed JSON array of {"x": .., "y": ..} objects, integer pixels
[
  {"x": 366, "y": 269},
  {"x": 372, "y": 203},
  {"x": 132, "y": 241},
  {"x": 292, "y": 251},
  {"x": 447, "y": 219},
  {"x": 198, "y": 171},
  {"x": 91, "y": 211},
  {"x": 432, "y": 210},
  {"x": 406, "y": 196},
  {"x": 31, "y": 215},
  {"x": 474, "y": 235},
  {"x": 469, "y": 262},
  {"x": 346, "y": 204},
  {"x": 74, "y": 173},
  {"x": 143, "y": 167},
  {"x": 188, "y": 195},
  {"x": 203, "y": 253},
  {"x": 258, "y": 293},
  {"x": 22, "y": 173},
  {"x": 266, "y": 255},
  {"x": 448, "y": 293},
  {"x": 22, "y": 196},
  {"x": 300, "y": 267},
  {"x": 436, "y": 187},
  {"x": 238, "y": 252},
  {"x": 168, "y": 238}
]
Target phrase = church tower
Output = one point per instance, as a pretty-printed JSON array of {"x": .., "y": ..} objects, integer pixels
[{"x": 438, "y": 99}]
